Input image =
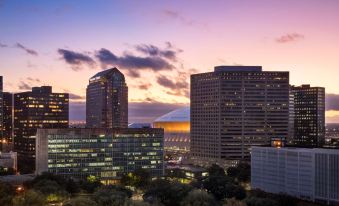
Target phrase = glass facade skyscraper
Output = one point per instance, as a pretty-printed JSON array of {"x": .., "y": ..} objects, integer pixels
[
  {"x": 107, "y": 100},
  {"x": 103, "y": 153},
  {"x": 309, "y": 115},
  {"x": 39, "y": 108},
  {"x": 234, "y": 108},
  {"x": 7, "y": 119},
  {"x": 1, "y": 108}
]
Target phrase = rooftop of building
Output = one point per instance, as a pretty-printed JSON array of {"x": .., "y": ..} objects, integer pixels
[
  {"x": 17, "y": 179},
  {"x": 99, "y": 131},
  {"x": 178, "y": 115},
  {"x": 109, "y": 72},
  {"x": 301, "y": 149},
  {"x": 190, "y": 168},
  {"x": 306, "y": 86},
  {"x": 42, "y": 89},
  {"x": 238, "y": 69},
  {"x": 140, "y": 125},
  {"x": 6, "y": 155}
]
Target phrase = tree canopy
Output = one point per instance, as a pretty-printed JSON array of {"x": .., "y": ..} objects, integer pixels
[
  {"x": 7, "y": 192},
  {"x": 29, "y": 198},
  {"x": 199, "y": 198},
  {"x": 111, "y": 195},
  {"x": 167, "y": 193},
  {"x": 140, "y": 178}
]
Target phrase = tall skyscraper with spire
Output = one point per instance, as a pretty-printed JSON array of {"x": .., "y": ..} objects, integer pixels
[{"x": 107, "y": 100}]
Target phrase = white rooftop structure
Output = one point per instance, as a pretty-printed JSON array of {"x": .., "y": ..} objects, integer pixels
[{"x": 178, "y": 115}]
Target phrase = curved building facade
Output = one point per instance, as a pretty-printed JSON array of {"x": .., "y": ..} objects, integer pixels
[
  {"x": 176, "y": 125},
  {"x": 107, "y": 100}
]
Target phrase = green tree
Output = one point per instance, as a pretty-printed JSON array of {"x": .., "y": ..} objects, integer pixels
[
  {"x": 91, "y": 184},
  {"x": 80, "y": 201},
  {"x": 111, "y": 195},
  {"x": 233, "y": 172},
  {"x": 46, "y": 187},
  {"x": 47, "y": 176},
  {"x": 136, "y": 203},
  {"x": 219, "y": 186},
  {"x": 72, "y": 186},
  {"x": 51, "y": 190},
  {"x": 244, "y": 172},
  {"x": 234, "y": 202},
  {"x": 29, "y": 198},
  {"x": 216, "y": 170},
  {"x": 7, "y": 193},
  {"x": 199, "y": 198},
  {"x": 241, "y": 173},
  {"x": 140, "y": 178},
  {"x": 167, "y": 193},
  {"x": 258, "y": 201},
  {"x": 197, "y": 183},
  {"x": 238, "y": 192}
]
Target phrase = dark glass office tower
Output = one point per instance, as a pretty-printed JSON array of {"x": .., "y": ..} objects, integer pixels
[
  {"x": 309, "y": 115},
  {"x": 7, "y": 139},
  {"x": 1, "y": 109},
  {"x": 234, "y": 108},
  {"x": 107, "y": 100},
  {"x": 39, "y": 108}
]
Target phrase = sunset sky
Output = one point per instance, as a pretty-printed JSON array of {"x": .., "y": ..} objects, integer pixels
[{"x": 158, "y": 44}]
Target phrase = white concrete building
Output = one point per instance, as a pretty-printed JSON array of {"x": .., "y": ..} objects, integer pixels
[
  {"x": 311, "y": 174},
  {"x": 8, "y": 160}
]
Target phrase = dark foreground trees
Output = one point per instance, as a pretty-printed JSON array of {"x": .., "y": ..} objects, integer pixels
[
  {"x": 166, "y": 192},
  {"x": 222, "y": 186},
  {"x": 29, "y": 198},
  {"x": 140, "y": 179},
  {"x": 80, "y": 201},
  {"x": 199, "y": 198},
  {"x": 111, "y": 195},
  {"x": 7, "y": 192}
]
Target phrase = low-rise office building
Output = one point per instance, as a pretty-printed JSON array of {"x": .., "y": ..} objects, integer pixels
[
  {"x": 188, "y": 172},
  {"x": 8, "y": 160},
  {"x": 103, "y": 153},
  {"x": 305, "y": 173}
]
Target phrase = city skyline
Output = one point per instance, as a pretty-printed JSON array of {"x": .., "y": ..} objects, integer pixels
[{"x": 141, "y": 39}]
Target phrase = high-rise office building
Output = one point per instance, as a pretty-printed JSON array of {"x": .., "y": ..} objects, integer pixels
[
  {"x": 39, "y": 108},
  {"x": 7, "y": 139},
  {"x": 309, "y": 115},
  {"x": 234, "y": 108},
  {"x": 107, "y": 100},
  {"x": 291, "y": 118},
  {"x": 1, "y": 108},
  {"x": 104, "y": 153}
]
